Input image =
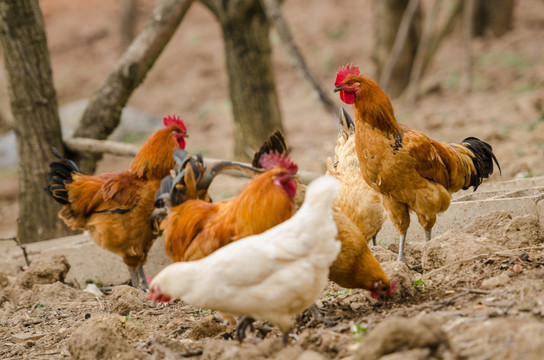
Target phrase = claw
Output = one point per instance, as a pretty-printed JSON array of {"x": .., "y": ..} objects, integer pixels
[{"x": 241, "y": 327}]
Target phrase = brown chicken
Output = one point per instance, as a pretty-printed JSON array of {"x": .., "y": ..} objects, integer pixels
[
  {"x": 410, "y": 170},
  {"x": 359, "y": 215},
  {"x": 116, "y": 207},
  {"x": 356, "y": 199},
  {"x": 197, "y": 228},
  {"x": 190, "y": 179}
]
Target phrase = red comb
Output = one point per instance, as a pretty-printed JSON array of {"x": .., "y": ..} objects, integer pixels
[
  {"x": 273, "y": 159},
  {"x": 345, "y": 71},
  {"x": 173, "y": 120}
]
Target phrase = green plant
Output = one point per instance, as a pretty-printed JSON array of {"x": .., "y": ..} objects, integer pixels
[
  {"x": 357, "y": 330},
  {"x": 419, "y": 284},
  {"x": 200, "y": 312}
]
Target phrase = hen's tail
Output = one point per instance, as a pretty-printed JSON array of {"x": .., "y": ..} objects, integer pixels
[
  {"x": 483, "y": 161},
  {"x": 60, "y": 175}
]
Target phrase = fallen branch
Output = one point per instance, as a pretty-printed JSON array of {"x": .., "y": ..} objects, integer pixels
[{"x": 86, "y": 145}]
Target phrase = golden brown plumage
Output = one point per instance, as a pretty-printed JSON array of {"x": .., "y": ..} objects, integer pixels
[
  {"x": 359, "y": 215},
  {"x": 355, "y": 266},
  {"x": 410, "y": 170},
  {"x": 197, "y": 228},
  {"x": 356, "y": 199},
  {"x": 116, "y": 207}
]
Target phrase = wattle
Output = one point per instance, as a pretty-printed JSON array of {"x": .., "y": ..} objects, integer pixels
[{"x": 347, "y": 97}]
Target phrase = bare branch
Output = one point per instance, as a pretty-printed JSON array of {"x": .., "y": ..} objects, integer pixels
[
  {"x": 468, "y": 21},
  {"x": 85, "y": 145},
  {"x": 275, "y": 16},
  {"x": 400, "y": 41},
  {"x": 426, "y": 36},
  {"x": 104, "y": 110},
  {"x": 446, "y": 29}
]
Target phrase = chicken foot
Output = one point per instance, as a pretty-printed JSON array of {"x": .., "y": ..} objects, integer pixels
[
  {"x": 138, "y": 279},
  {"x": 319, "y": 315},
  {"x": 242, "y": 325}
]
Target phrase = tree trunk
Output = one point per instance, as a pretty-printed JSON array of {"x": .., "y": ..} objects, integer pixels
[
  {"x": 387, "y": 18},
  {"x": 252, "y": 85},
  {"x": 35, "y": 113},
  {"x": 494, "y": 17}
]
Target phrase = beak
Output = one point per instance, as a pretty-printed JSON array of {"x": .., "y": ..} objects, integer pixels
[
  {"x": 185, "y": 135},
  {"x": 337, "y": 89}
]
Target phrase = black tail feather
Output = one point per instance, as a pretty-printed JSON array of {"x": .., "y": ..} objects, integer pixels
[
  {"x": 483, "y": 160},
  {"x": 275, "y": 142},
  {"x": 59, "y": 175},
  {"x": 346, "y": 122}
]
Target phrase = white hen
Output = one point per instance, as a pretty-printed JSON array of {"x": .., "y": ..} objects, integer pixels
[{"x": 266, "y": 277}]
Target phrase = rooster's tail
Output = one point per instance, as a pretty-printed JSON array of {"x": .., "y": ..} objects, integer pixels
[
  {"x": 275, "y": 142},
  {"x": 59, "y": 176},
  {"x": 483, "y": 161}
]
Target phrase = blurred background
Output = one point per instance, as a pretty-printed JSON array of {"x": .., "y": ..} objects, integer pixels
[{"x": 487, "y": 83}]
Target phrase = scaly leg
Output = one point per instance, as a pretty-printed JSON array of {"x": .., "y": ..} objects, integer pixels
[
  {"x": 374, "y": 240},
  {"x": 135, "y": 282},
  {"x": 427, "y": 236},
  {"x": 143, "y": 278},
  {"x": 401, "y": 248},
  {"x": 241, "y": 327}
]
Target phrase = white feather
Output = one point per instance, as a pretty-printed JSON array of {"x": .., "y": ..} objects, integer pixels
[{"x": 267, "y": 276}]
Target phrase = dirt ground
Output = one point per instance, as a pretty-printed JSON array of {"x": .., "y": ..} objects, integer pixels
[{"x": 473, "y": 293}]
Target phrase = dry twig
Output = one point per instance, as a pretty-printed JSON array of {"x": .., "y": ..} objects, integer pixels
[{"x": 23, "y": 248}]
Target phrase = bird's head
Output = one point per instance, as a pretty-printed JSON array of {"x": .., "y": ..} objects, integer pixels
[
  {"x": 156, "y": 294},
  {"x": 383, "y": 291},
  {"x": 348, "y": 82},
  {"x": 178, "y": 129},
  {"x": 284, "y": 171}
]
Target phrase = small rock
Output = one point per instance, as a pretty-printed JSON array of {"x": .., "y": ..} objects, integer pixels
[
  {"x": 47, "y": 269},
  {"x": 24, "y": 337},
  {"x": 517, "y": 269},
  {"x": 355, "y": 306},
  {"x": 495, "y": 281},
  {"x": 93, "y": 289},
  {"x": 4, "y": 281}
]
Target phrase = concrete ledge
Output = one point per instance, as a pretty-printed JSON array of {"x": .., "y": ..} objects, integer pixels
[
  {"x": 90, "y": 262},
  {"x": 518, "y": 197}
]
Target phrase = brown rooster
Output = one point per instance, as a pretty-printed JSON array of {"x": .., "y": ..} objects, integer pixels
[
  {"x": 196, "y": 228},
  {"x": 410, "y": 170},
  {"x": 116, "y": 207}
]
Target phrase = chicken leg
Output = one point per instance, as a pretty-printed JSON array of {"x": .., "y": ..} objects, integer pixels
[
  {"x": 138, "y": 279},
  {"x": 401, "y": 248},
  {"x": 241, "y": 327}
]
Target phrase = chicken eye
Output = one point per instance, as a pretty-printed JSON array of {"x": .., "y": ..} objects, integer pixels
[{"x": 350, "y": 83}]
